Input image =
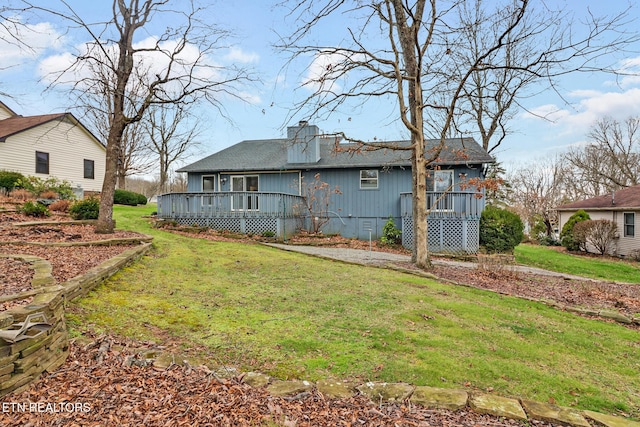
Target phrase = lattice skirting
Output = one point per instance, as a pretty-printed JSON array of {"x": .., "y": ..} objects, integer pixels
[
  {"x": 447, "y": 236},
  {"x": 283, "y": 228}
]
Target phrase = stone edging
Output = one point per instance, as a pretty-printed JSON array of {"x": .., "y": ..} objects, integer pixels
[
  {"x": 428, "y": 397},
  {"x": 24, "y": 361}
]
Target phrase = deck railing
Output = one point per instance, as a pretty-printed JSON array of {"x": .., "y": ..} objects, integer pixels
[
  {"x": 453, "y": 204},
  {"x": 241, "y": 204}
]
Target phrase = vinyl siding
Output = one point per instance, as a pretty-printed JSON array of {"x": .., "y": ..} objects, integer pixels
[
  {"x": 4, "y": 113},
  {"x": 276, "y": 182},
  {"x": 624, "y": 245},
  {"x": 355, "y": 212},
  {"x": 68, "y": 145}
]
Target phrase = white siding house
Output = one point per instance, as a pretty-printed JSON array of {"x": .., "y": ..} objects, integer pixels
[
  {"x": 52, "y": 145},
  {"x": 622, "y": 207}
]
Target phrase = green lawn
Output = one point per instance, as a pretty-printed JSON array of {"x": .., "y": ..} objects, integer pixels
[
  {"x": 604, "y": 268},
  {"x": 295, "y": 316}
]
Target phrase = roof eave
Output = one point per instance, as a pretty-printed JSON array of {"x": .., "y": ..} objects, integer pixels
[{"x": 606, "y": 208}]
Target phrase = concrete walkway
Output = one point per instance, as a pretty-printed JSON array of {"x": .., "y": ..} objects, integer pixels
[{"x": 359, "y": 256}]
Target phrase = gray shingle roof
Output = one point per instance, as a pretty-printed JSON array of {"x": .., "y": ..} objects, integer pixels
[{"x": 271, "y": 155}]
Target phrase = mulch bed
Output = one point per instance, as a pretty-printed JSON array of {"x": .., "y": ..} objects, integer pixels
[
  {"x": 98, "y": 387},
  {"x": 67, "y": 262}
]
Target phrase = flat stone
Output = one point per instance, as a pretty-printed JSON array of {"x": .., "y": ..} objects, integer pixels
[
  {"x": 387, "y": 392},
  {"x": 554, "y": 414},
  {"x": 496, "y": 405},
  {"x": 335, "y": 389},
  {"x": 6, "y": 320},
  {"x": 585, "y": 311},
  {"x": 610, "y": 420},
  {"x": 256, "y": 379},
  {"x": 614, "y": 315},
  {"x": 224, "y": 372},
  {"x": 440, "y": 398},
  {"x": 285, "y": 388},
  {"x": 164, "y": 360}
]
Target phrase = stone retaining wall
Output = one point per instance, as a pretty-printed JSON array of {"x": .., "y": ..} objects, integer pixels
[{"x": 24, "y": 361}]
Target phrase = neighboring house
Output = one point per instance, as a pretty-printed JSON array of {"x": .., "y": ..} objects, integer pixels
[
  {"x": 622, "y": 207},
  {"x": 51, "y": 145},
  {"x": 256, "y": 186}
]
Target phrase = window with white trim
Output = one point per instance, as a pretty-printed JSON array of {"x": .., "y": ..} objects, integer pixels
[
  {"x": 368, "y": 179},
  {"x": 244, "y": 184},
  {"x": 629, "y": 224},
  {"x": 441, "y": 199},
  {"x": 208, "y": 183}
]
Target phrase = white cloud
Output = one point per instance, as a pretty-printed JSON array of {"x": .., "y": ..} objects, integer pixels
[
  {"x": 596, "y": 105},
  {"x": 589, "y": 107},
  {"x": 238, "y": 55},
  {"x": 20, "y": 42},
  {"x": 628, "y": 74},
  {"x": 153, "y": 62},
  {"x": 251, "y": 98},
  {"x": 326, "y": 69},
  {"x": 549, "y": 112}
]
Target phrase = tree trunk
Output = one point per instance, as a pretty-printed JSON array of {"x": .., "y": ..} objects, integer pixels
[
  {"x": 420, "y": 224},
  {"x": 122, "y": 180},
  {"x": 105, "y": 223}
]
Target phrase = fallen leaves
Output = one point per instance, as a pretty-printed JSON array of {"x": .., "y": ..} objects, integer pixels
[{"x": 103, "y": 392}]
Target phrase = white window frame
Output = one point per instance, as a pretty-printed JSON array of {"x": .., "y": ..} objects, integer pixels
[
  {"x": 213, "y": 181},
  {"x": 632, "y": 224},
  {"x": 442, "y": 205},
  {"x": 368, "y": 180},
  {"x": 247, "y": 202}
]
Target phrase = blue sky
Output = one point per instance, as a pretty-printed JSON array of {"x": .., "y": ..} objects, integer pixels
[{"x": 255, "y": 24}]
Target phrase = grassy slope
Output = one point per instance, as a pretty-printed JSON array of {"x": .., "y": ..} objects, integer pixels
[
  {"x": 604, "y": 268},
  {"x": 291, "y": 315}
]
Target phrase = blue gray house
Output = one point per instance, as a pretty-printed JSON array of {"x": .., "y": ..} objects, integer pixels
[{"x": 259, "y": 185}]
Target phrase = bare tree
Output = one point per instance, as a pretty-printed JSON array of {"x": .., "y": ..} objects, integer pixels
[
  {"x": 444, "y": 64},
  {"x": 611, "y": 160},
  {"x": 317, "y": 202},
  {"x": 97, "y": 108},
  {"x": 171, "y": 132},
  {"x": 178, "y": 70},
  {"x": 537, "y": 188}
]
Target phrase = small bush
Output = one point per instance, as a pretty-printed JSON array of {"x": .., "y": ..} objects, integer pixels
[
  {"x": 500, "y": 230},
  {"x": 566, "y": 235},
  {"x": 39, "y": 186},
  {"x": 545, "y": 240},
  {"x": 49, "y": 194},
  {"x": 35, "y": 209},
  {"x": 599, "y": 234},
  {"x": 85, "y": 209},
  {"x": 60, "y": 205},
  {"x": 21, "y": 194},
  {"x": 268, "y": 233},
  {"x": 129, "y": 198},
  {"x": 9, "y": 180},
  {"x": 391, "y": 235}
]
